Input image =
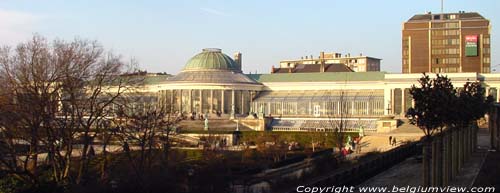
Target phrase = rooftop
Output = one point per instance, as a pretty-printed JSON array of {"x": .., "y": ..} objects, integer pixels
[
  {"x": 211, "y": 66},
  {"x": 446, "y": 16},
  {"x": 319, "y": 77},
  {"x": 211, "y": 59},
  {"x": 308, "y": 68}
]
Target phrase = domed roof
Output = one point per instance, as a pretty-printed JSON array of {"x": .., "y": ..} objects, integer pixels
[
  {"x": 212, "y": 67},
  {"x": 211, "y": 59}
]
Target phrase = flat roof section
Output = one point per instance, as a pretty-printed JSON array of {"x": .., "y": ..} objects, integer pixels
[{"x": 319, "y": 77}]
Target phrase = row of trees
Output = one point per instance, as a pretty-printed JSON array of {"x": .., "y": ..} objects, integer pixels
[
  {"x": 56, "y": 99},
  {"x": 448, "y": 117}
]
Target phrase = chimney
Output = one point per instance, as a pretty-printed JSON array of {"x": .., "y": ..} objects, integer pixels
[{"x": 237, "y": 59}]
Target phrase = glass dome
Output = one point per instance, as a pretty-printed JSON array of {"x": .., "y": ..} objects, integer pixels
[{"x": 211, "y": 59}]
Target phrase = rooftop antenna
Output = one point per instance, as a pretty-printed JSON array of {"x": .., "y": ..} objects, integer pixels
[{"x": 442, "y": 6}]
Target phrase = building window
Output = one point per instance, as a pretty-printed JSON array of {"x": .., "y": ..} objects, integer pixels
[
  {"x": 486, "y": 50},
  {"x": 450, "y": 61},
  {"x": 437, "y": 25},
  {"x": 486, "y": 40},
  {"x": 451, "y": 25},
  {"x": 437, "y": 17}
]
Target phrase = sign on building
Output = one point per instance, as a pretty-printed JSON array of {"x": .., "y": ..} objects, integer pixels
[{"x": 471, "y": 45}]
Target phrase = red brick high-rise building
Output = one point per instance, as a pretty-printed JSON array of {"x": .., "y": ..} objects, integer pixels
[{"x": 446, "y": 43}]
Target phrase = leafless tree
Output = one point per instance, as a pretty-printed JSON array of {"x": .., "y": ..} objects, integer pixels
[
  {"x": 30, "y": 79},
  {"x": 339, "y": 115},
  {"x": 148, "y": 127},
  {"x": 53, "y": 93}
]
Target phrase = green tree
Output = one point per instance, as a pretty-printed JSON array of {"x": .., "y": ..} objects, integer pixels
[{"x": 431, "y": 112}]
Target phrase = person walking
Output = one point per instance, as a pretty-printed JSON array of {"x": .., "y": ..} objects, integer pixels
[
  {"x": 390, "y": 140},
  {"x": 394, "y": 141}
]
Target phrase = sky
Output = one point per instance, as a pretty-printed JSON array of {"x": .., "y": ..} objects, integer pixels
[{"x": 163, "y": 35}]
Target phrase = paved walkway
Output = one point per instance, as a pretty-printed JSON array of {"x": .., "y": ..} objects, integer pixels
[
  {"x": 379, "y": 142},
  {"x": 409, "y": 172},
  {"x": 489, "y": 173}
]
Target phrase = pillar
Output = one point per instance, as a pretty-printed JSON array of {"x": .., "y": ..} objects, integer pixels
[
  {"x": 190, "y": 100},
  {"x": 222, "y": 102},
  {"x": 242, "y": 110},
  {"x": 201, "y": 101},
  {"x": 498, "y": 94},
  {"x": 282, "y": 107},
  {"x": 172, "y": 107},
  {"x": 268, "y": 108},
  {"x": 352, "y": 109},
  {"x": 211, "y": 100},
  {"x": 180, "y": 101},
  {"x": 392, "y": 102},
  {"x": 367, "y": 107},
  {"x": 403, "y": 110},
  {"x": 387, "y": 100},
  {"x": 233, "y": 100}
]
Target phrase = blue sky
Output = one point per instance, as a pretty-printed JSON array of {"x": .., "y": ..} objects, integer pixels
[{"x": 163, "y": 35}]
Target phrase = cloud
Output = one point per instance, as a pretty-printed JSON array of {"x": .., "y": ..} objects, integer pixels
[
  {"x": 213, "y": 11},
  {"x": 16, "y": 26}
]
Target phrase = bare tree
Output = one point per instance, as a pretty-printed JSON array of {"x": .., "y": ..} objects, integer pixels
[
  {"x": 54, "y": 92},
  {"x": 146, "y": 126},
  {"x": 30, "y": 80},
  {"x": 338, "y": 116}
]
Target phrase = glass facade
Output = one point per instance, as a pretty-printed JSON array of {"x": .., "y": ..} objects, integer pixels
[
  {"x": 321, "y": 103},
  {"x": 205, "y": 101}
]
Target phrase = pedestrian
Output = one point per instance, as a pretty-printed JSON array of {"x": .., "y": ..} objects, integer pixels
[
  {"x": 394, "y": 141},
  {"x": 390, "y": 140}
]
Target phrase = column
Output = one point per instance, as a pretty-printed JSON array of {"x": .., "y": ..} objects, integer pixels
[
  {"x": 180, "y": 101},
  {"x": 498, "y": 94},
  {"x": 172, "y": 106},
  {"x": 201, "y": 101},
  {"x": 403, "y": 109},
  {"x": 282, "y": 107},
  {"x": 387, "y": 100},
  {"x": 222, "y": 102},
  {"x": 190, "y": 99},
  {"x": 367, "y": 107},
  {"x": 392, "y": 110},
  {"x": 242, "y": 110},
  {"x": 268, "y": 108},
  {"x": 339, "y": 107},
  {"x": 232, "y": 97},
  {"x": 352, "y": 109},
  {"x": 211, "y": 100}
]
